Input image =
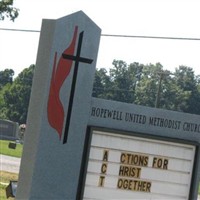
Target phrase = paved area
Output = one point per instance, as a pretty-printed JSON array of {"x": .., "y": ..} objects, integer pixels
[{"x": 9, "y": 164}]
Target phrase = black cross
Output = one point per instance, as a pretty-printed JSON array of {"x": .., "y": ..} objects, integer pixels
[{"x": 77, "y": 58}]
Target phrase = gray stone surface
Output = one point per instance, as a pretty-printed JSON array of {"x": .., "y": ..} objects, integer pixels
[{"x": 49, "y": 168}]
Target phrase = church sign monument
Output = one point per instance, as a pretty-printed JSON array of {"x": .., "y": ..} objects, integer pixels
[{"x": 80, "y": 147}]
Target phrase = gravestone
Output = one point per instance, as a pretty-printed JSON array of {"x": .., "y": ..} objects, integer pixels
[
  {"x": 9, "y": 130},
  {"x": 80, "y": 147}
]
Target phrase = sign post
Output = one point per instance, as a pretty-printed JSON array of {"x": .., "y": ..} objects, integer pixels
[
  {"x": 80, "y": 147},
  {"x": 59, "y": 108}
]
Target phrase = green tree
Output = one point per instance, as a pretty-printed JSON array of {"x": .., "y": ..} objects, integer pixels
[
  {"x": 17, "y": 96},
  {"x": 3, "y": 108},
  {"x": 148, "y": 86},
  {"x": 6, "y": 77},
  {"x": 134, "y": 73},
  {"x": 121, "y": 81},
  {"x": 7, "y": 10},
  {"x": 168, "y": 91},
  {"x": 101, "y": 85},
  {"x": 187, "y": 98}
]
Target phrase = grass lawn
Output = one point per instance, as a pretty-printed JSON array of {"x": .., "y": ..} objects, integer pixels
[
  {"x": 199, "y": 189},
  {"x": 10, "y": 152},
  {"x": 5, "y": 178}
]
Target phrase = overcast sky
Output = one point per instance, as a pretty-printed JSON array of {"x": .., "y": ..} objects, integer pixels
[{"x": 162, "y": 18}]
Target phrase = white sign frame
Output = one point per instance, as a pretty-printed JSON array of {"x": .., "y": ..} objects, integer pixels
[{"x": 102, "y": 166}]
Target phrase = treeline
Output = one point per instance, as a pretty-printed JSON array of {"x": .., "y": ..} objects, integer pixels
[{"x": 148, "y": 85}]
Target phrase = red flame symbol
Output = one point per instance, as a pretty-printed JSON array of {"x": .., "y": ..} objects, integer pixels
[{"x": 55, "y": 109}]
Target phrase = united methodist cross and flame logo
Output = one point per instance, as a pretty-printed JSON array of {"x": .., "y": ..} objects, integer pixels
[{"x": 61, "y": 70}]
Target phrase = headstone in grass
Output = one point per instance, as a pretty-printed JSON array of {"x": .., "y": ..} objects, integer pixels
[{"x": 12, "y": 145}]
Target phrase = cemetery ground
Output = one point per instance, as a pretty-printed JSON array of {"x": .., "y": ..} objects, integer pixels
[
  {"x": 4, "y": 150},
  {"x": 6, "y": 177}
]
